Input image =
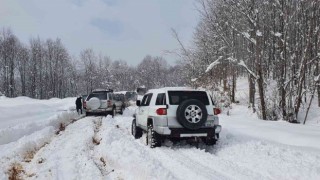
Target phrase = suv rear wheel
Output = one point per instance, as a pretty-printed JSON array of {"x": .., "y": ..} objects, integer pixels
[
  {"x": 136, "y": 131},
  {"x": 192, "y": 114},
  {"x": 210, "y": 141},
  {"x": 153, "y": 138},
  {"x": 122, "y": 109}
]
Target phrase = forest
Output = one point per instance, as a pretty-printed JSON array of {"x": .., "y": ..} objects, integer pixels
[
  {"x": 274, "y": 44},
  {"x": 44, "y": 69}
]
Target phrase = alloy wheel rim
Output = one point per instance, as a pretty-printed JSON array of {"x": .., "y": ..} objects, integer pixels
[{"x": 193, "y": 114}]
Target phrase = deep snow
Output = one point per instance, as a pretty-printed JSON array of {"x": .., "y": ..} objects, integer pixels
[
  {"x": 237, "y": 155},
  {"x": 103, "y": 147}
]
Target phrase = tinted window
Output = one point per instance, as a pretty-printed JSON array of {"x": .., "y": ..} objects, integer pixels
[
  {"x": 130, "y": 95},
  {"x": 121, "y": 97},
  {"x": 118, "y": 97},
  {"x": 161, "y": 99},
  {"x": 146, "y": 100},
  {"x": 176, "y": 97},
  {"x": 98, "y": 95}
]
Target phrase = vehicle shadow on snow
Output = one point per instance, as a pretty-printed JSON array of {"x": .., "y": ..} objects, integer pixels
[{"x": 225, "y": 140}]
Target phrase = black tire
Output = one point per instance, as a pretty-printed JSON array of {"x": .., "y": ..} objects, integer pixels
[
  {"x": 121, "y": 112},
  {"x": 209, "y": 141},
  {"x": 192, "y": 114},
  {"x": 153, "y": 138},
  {"x": 135, "y": 131},
  {"x": 122, "y": 109},
  {"x": 88, "y": 114}
]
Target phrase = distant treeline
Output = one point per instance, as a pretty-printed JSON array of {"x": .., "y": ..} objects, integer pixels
[{"x": 45, "y": 69}]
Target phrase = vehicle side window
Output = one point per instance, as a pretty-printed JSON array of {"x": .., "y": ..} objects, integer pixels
[
  {"x": 146, "y": 100},
  {"x": 161, "y": 99}
]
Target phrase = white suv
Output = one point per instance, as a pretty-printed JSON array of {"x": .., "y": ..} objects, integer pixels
[
  {"x": 177, "y": 113},
  {"x": 100, "y": 102}
]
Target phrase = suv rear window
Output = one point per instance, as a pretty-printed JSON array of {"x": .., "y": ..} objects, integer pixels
[
  {"x": 176, "y": 97},
  {"x": 98, "y": 95},
  {"x": 118, "y": 97},
  {"x": 161, "y": 99}
]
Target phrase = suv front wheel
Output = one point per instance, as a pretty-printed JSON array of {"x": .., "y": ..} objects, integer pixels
[{"x": 136, "y": 131}]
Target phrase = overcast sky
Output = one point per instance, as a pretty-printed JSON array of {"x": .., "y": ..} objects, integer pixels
[{"x": 121, "y": 29}]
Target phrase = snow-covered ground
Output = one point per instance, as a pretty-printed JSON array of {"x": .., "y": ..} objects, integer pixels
[
  {"x": 28, "y": 124},
  {"x": 22, "y": 115},
  {"x": 103, "y": 147}
]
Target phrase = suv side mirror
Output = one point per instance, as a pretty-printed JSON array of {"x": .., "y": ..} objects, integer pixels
[{"x": 138, "y": 103}]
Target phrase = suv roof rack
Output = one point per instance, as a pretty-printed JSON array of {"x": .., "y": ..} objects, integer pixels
[{"x": 102, "y": 90}]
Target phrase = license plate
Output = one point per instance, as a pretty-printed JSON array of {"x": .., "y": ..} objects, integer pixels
[{"x": 209, "y": 124}]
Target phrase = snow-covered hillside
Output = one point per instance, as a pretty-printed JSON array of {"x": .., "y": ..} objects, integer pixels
[
  {"x": 34, "y": 147},
  {"x": 28, "y": 124},
  {"x": 22, "y": 115}
]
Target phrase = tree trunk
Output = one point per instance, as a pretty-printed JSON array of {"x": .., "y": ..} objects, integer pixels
[
  {"x": 234, "y": 84},
  {"x": 252, "y": 91}
]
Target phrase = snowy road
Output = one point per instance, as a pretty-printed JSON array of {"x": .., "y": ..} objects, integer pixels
[
  {"x": 103, "y": 148},
  {"x": 93, "y": 147}
]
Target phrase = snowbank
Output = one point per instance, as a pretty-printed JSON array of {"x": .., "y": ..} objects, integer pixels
[
  {"x": 27, "y": 124},
  {"x": 22, "y": 116}
]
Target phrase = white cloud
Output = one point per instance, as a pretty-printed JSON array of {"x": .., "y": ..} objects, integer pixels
[{"x": 145, "y": 24}]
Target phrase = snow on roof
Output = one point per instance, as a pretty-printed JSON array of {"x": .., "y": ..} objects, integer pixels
[
  {"x": 120, "y": 92},
  {"x": 164, "y": 89}
]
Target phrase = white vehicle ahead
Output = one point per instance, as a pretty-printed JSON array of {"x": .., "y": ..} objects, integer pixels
[
  {"x": 100, "y": 102},
  {"x": 178, "y": 113}
]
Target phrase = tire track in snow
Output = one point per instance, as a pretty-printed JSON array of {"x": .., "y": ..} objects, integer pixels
[
  {"x": 29, "y": 146},
  {"x": 178, "y": 166},
  {"x": 130, "y": 160},
  {"x": 68, "y": 156},
  {"x": 100, "y": 161},
  {"x": 234, "y": 157},
  {"x": 170, "y": 161}
]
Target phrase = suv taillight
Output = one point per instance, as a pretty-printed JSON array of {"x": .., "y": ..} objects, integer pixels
[
  {"x": 84, "y": 104},
  {"x": 216, "y": 111},
  {"x": 109, "y": 102},
  {"x": 162, "y": 111}
]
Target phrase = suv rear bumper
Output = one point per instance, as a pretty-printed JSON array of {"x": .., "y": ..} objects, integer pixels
[
  {"x": 99, "y": 110},
  {"x": 182, "y": 132}
]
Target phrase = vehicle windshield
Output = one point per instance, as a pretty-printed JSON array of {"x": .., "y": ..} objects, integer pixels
[
  {"x": 98, "y": 95},
  {"x": 130, "y": 95},
  {"x": 118, "y": 97},
  {"x": 177, "y": 97}
]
